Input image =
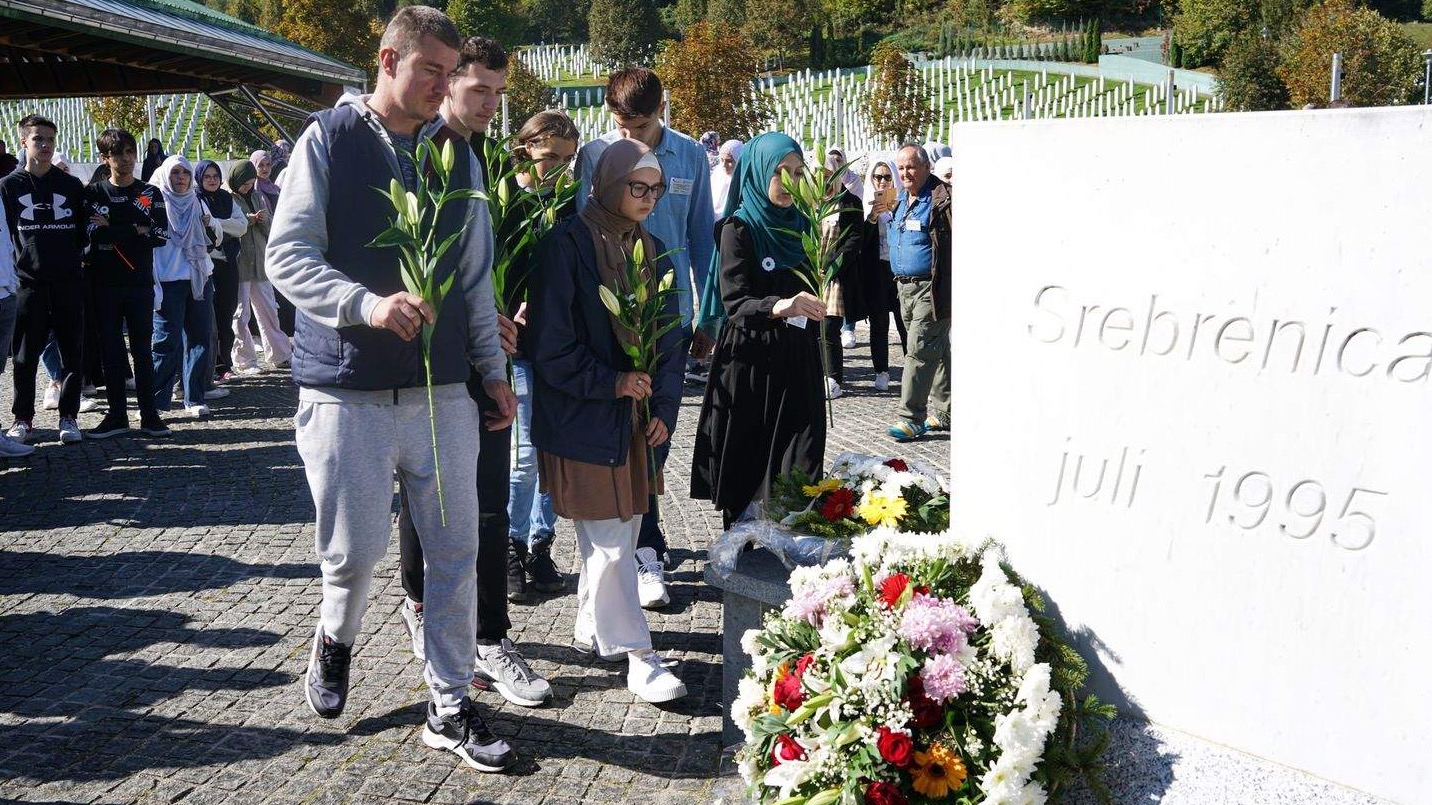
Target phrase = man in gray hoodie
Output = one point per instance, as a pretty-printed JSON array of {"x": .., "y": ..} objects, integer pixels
[{"x": 363, "y": 407}]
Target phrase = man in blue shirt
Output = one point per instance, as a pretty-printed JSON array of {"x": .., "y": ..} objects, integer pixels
[
  {"x": 920, "y": 260},
  {"x": 684, "y": 221}
]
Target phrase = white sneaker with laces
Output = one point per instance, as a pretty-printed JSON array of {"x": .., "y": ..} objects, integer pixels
[
  {"x": 216, "y": 393},
  {"x": 650, "y": 580},
  {"x": 882, "y": 381},
  {"x": 19, "y": 432},
  {"x": 649, "y": 677},
  {"x": 9, "y": 448},
  {"x": 70, "y": 431},
  {"x": 832, "y": 389},
  {"x": 89, "y": 405},
  {"x": 51, "y": 400},
  {"x": 413, "y": 619},
  {"x": 196, "y": 411},
  {"x": 847, "y": 339}
]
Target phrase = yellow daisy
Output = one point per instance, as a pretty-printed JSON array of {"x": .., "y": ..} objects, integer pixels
[{"x": 816, "y": 490}]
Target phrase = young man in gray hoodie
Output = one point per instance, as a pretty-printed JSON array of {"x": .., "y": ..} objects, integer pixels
[{"x": 363, "y": 407}]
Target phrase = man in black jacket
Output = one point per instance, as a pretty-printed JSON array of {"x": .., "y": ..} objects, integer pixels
[
  {"x": 45, "y": 211},
  {"x": 126, "y": 224}
]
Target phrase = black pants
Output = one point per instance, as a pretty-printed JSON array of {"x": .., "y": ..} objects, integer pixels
[
  {"x": 116, "y": 309},
  {"x": 41, "y": 307},
  {"x": 834, "y": 353},
  {"x": 90, "y": 351},
  {"x": 286, "y": 314},
  {"x": 226, "y": 301},
  {"x": 881, "y": 309},
  {"x": 493, "y": 457}
]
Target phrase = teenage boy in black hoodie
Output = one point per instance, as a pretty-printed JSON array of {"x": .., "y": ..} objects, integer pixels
[
  {"x": 45, "y": 210},
  {"x": 126, "y": 223}
]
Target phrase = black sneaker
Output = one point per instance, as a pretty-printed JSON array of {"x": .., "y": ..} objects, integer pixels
[
  {"x": 154, "y": 426},
  {"x": 327, "y": 681},
  {"x": 542, "y": 569},
  {"x": 516, "y": 577},
  {"x": 111, "y": 425},
  {"x": 466, "y": 735}
]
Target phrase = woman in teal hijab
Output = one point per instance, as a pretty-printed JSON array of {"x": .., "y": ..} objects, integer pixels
[{"x": 763, "y": 414}]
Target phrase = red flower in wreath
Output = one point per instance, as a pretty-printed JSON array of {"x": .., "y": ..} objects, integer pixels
[
  {"x": 839, "y": 505},
  {"x": 788, "y": 692},
  {"x": 898, "y": 465},
  {"x": 892, "y": 588},
  {"x": 786, "y": 749},
  {"x": 928, "y": 712},
  {"x": 896, "y": 748},
  {"x": 883, "y": 793}
]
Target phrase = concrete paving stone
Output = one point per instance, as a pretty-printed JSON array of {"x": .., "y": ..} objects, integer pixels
[{"x": 155, "y": 621}]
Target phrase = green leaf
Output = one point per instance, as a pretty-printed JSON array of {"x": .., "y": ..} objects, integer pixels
[
  {"x": 447, "y": 242},
  {"x": 392, "y": 236},
  {"x": 443, "y": 292}
]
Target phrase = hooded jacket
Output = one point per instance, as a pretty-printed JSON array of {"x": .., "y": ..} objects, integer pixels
[{"x": 47, "y": 223}]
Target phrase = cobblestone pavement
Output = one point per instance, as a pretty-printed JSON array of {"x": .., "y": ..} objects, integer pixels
[{"x": 157, "y": 598}]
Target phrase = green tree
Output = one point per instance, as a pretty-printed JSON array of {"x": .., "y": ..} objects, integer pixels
[
  {"x": 263, "y": 13},
  {"x": 1382, "y": 66},
  {"x": 1204, "y": 29},
  {"x": 225, "y": 134},
  {"x": 778, "y": 26},
  {"x": 730, "y": 14},
  {"x": 899, "y": 107},
  {"x": 348, "y": 31},
  {"x": 623, "y": 32},
  {"x": 1400, "y": 10},
  {"x": 495, "y": 19},
  {"x": 709, "y": 74},
  {"x": 683, "y": 14},
  {"x": 526, "y": 93},
  {"x": 1248, "y": 79},
  {"x": 556, "y": 21},
  {"x": 126, "y": 112}
]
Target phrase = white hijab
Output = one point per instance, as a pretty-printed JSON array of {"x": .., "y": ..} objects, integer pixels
[
  {"x": 185, "y": 212},
  {"x": 720, "y": 180}
]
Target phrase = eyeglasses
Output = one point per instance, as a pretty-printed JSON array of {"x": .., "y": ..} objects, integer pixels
[
  {"x": 641, "y": 189},
  {"x": 880, "y": 177}
]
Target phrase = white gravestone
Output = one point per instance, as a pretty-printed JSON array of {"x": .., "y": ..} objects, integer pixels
[{"x": 1196, "y": 406}]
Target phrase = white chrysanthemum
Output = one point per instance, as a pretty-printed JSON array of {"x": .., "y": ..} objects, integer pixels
[
  {"x": 749, "y": 644},
  {"x": 748, "y": 766},
  {"x": 1014, "y": 639},
  {"x": 750, "y": 697}
]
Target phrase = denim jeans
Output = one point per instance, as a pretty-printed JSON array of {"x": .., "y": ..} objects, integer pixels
[
  {"x": 529, "y": 511},
  {"x": 181, "y": 335}
]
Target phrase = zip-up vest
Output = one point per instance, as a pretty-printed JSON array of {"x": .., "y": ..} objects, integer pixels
[{"x": 362, "y": 357}]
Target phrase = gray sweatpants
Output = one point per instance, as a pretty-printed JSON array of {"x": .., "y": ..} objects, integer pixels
[{"x": 351, "y": 443}]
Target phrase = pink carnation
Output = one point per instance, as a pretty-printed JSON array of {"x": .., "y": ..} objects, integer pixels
[
  {"x": 809, "y": 605},
  {"x": 944, "y": 677},
  {"x": 937, "y": 625}
]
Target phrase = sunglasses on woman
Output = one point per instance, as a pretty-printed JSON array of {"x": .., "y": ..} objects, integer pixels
[
  {"x": 641, "y": 189},
  {"x": 880, "y": 177}
]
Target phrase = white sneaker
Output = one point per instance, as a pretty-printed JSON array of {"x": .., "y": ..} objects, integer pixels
[
  {"x": 413, "y": 619},
  {"x": 70, "y": 431},
  {"x": 847, "y": 339},
  {"x": 89, "y": 406},
  {"x": 216, "y": 393},
  {"x": 248, "y": 371},
  {"x": 882, "y": 381},
  {"x": 20, "y": 431},
  {"x": 9, "y": 448},
  {"x": 832, "y": 389},
  {"x": 51, "y": 400},
  {"x": 89, "y": 391},
  {"x": 650, "y": 580},
  {"x": 196, "y": 411},
  {"x": 649, "y": 678}
]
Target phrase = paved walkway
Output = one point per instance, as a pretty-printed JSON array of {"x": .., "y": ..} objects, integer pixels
[{"x": 157, "y": 599}]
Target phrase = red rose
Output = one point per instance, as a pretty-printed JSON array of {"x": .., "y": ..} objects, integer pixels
[
  {"x": 895, "y": 747},
  {"x": 883, "y": 793},
  {"x": 802, "y": 664},
  {"x": 788, "y": 693},
  {"x": 922, "y": 590},
  {"x": 839, "y": 505},
  {"x": 786, "y": 749},
  {"x": 928, "y": 712},
  {"x": 897, "y": 465},
  {"x": 892, "y": 588}
]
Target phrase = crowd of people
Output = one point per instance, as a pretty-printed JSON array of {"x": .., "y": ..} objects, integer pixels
[{"x": 184, "y": 276}]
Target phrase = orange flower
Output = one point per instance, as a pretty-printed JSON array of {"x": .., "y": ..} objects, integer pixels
[
  {"x": 782, "y": 671},
  {"x": 938, "y": 772}
]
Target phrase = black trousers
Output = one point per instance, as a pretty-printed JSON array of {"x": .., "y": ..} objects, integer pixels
[
  {"x": 41, "y": 307},
  {"x": 116, "y": 309},
  {"x": 226, "y": 301},
  {"x": 834, "y": 352},
  {"x": 881, "y": 309},
  {"x": 493, "y": 467},
  {"x": 90, "y": 351}
]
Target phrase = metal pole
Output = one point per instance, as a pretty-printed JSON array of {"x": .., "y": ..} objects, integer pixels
[
  {"x": 1427, "y": 77},
  {"x": 1336, "y": 92}
]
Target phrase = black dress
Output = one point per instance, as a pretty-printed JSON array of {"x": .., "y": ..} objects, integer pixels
[{"x": 764, "y": 410}]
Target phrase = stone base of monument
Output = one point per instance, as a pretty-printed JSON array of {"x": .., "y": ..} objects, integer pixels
[{"x": 1146, "y": 763}]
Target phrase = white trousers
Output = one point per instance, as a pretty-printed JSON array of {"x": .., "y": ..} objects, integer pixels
[
  {"x": 609, "y": 615},
  {"x": 256, "y": 299}
]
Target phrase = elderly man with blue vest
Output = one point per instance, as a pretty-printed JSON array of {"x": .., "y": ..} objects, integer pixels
[
  {"x": 363, "y": 409},
  {"x": 920, "y": 260}
]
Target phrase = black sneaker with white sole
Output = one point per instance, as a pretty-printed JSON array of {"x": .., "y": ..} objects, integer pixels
[
  {"x": 111, "y": 425},
  {"x": 466, "y": 735},
  {"x": 326, "y": 684},
  {"x": 155, "y": 427}
]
